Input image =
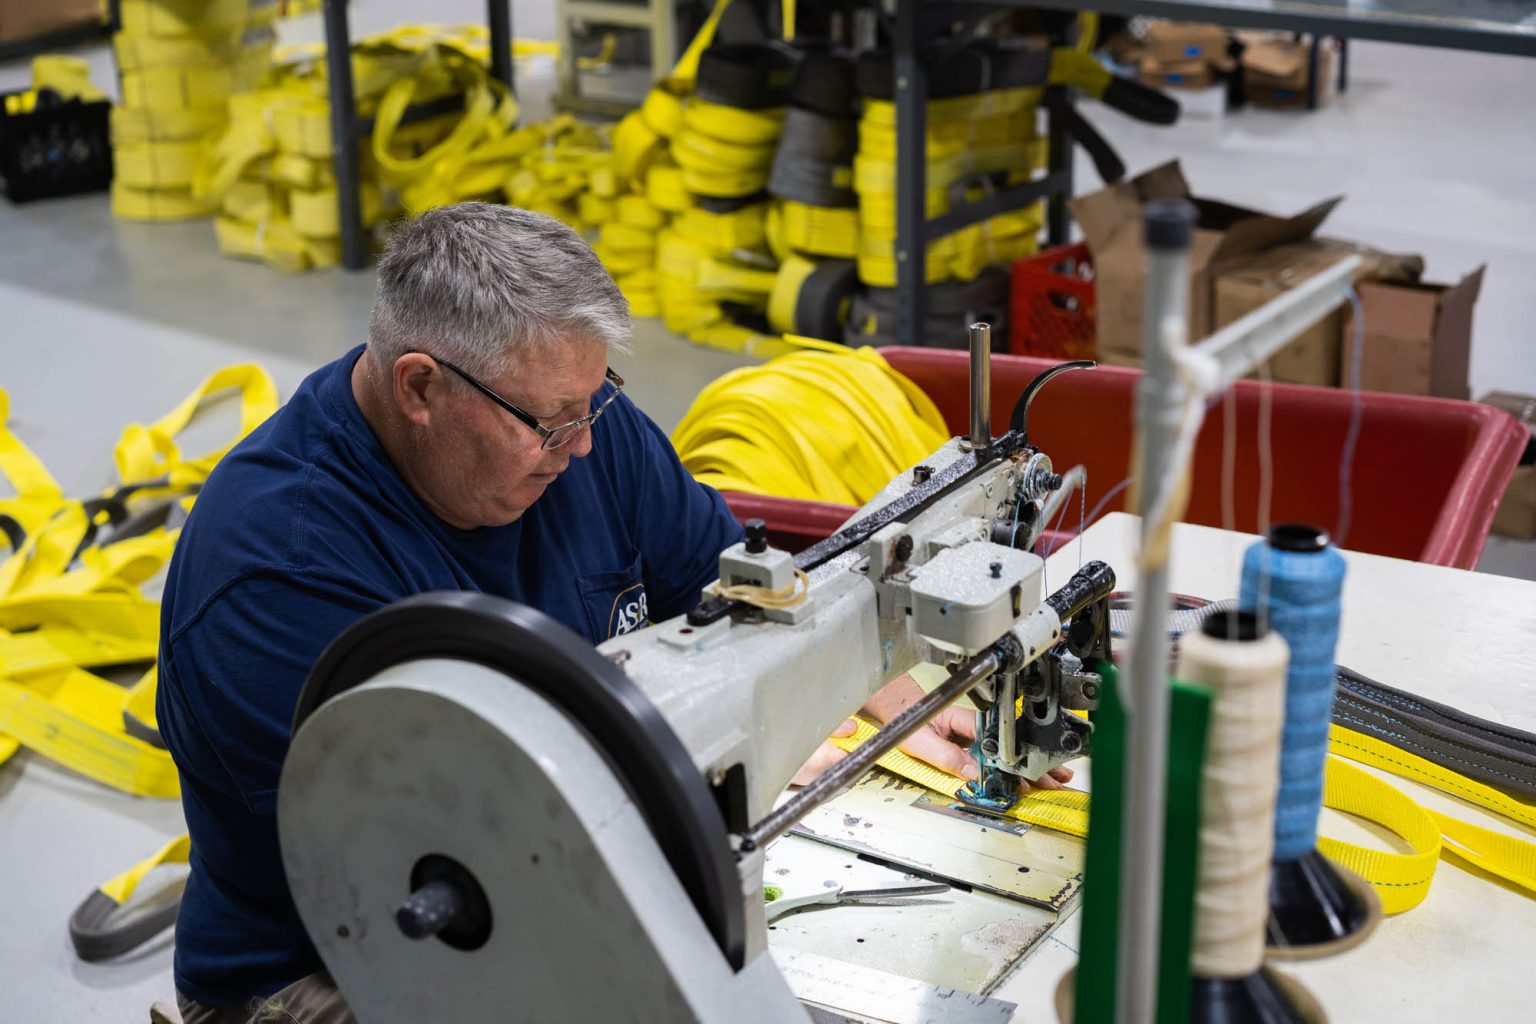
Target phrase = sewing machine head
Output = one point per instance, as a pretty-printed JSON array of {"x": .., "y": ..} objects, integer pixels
[{"x": 478, "y": 737}]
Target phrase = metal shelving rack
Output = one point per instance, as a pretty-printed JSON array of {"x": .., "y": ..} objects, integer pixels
[
  {"x": 1488, "y": 26},
  {"x": 914, "y": 228},
  {"x": 347, "y": 127},
  {"x": 1491, "y": 26},
  {"x": 658, "y": 18}
]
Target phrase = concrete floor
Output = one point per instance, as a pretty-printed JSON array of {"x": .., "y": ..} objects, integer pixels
[{"x": 107, "y": 323}]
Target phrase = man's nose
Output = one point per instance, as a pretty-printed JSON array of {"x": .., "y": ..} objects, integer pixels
[{"x": 581, "y": 444}]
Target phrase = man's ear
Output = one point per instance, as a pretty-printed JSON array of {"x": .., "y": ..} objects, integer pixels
[{"x": 417, "y": 384}]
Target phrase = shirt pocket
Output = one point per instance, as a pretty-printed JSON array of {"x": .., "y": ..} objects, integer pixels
[{"x": 615, "y": 601}]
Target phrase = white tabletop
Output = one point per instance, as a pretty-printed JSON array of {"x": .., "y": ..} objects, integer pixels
[{"x": 1466, "y": 639}]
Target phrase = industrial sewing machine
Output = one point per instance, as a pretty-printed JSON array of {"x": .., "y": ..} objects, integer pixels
[{"x": 482, "y": 817}]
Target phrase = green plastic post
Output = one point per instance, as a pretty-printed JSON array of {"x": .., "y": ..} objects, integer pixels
[{"x": 1189, "y": 713}]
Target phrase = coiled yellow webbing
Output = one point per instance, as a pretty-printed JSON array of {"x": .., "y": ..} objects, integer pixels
[{"x": 824, "y": 426}]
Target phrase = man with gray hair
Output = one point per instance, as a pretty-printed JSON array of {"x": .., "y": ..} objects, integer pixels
[{"x": 479, "y": 441}]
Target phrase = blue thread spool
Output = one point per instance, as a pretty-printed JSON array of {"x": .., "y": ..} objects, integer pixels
[{"x": 1299, "y": 577}]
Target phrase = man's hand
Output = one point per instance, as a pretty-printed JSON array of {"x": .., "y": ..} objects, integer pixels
[
  {"x": 827, "y": 755},
  {"x": 944, "y": 741}
]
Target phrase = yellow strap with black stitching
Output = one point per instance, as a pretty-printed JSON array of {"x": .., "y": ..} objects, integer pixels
[{"x": 1401, "y": 880}]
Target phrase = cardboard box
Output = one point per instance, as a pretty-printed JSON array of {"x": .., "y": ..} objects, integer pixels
[
  {"x": 1275, "y": 71},
  {"x": 1418, "y": 337},
  {"x": 1178, "y": 74},
  {"x": 1314, "y": 356},
  {"x": 1516, "y": 516},
  {"x": 1112, "y": 225},
  {"x": 30, "y": 19},
  {"x": 1170, "y": 41}
]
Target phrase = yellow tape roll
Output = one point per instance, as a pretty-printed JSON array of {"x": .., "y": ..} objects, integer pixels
[
  {"x": 129, "y": 203},
  {"x": 179, "y": 19},
  {"x": 276, "y": 244},
  {"x": 639, "y": 212},
  {"x": 723, "y": 233},
  {"x": 662, "y": 110},
  {"x": 819, "y": 231},
  {"x": 635, "y": 147},
  {"x": 786, "y": 292},
  {"x": 165, "y": 165},
  {"x": 722, "y": 185},
  {"x": 315, "y": 213},
  {"x": 184, "y": 87},
  {"x": 131, "y": 125},
  {"x": 694, "y": 151},
  {"x": 252, "y": 200},
  {"x": 733, "y": 124},
  {"x": 665, "y": 188},
  {"x": 136, "y": 52}
]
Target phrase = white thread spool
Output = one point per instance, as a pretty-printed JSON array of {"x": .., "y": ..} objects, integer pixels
[{"x": 1245, "y": 672}]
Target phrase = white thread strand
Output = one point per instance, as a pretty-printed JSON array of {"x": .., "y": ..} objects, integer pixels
[
  {"x": 1266, "y": 469},
  {"x": 1247, "y": 683},
  {"x": 1229, "y": 460},
  {"x": 1356, "y": 408}
]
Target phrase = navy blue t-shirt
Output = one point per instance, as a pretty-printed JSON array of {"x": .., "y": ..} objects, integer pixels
[{"x": 304, "y": 528}]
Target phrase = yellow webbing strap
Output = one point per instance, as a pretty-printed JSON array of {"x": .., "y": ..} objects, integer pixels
[
  {"x": 37, "y": 493},
  {"x": 1508, "y": 857},
  {"x": 1401, "y": 880},
  {"x": 70, "y": 77},
  {"x": 1064, "y": 810},
  {"x": 67, "y": 604},
  {"x": 75, "y": 718},
  {"x": 100, "y": 931},
  {"x": 121, "y": 888},
  {"x": 149, "y": 452},
  {"x": 129, "y": 203}
]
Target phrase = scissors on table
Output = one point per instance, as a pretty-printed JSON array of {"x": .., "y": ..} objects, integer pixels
[{"x": 835, "y": 895}]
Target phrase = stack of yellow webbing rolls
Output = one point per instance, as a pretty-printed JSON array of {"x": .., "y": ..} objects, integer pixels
[{"x": 179, "y": 62}]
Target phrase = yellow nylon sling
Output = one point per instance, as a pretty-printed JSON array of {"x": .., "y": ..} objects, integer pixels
[
  {"x": 68, "y": 605},
  {"x": 37, "y": 494}
]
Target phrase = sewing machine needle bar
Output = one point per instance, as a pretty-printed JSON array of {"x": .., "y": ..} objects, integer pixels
[{"x": 852, "y": 768}]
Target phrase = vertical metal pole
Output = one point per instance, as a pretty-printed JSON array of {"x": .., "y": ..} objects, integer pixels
[
  {"x": 981, "y": 385},
  {"x": 1343, "y": 63},
  {"x": 1058, "y": 101},
  {"x": 1169, "y": 225},
  {"x": 499, "y": 19},
  {"x": 1313, "y": 85},
  {"x": 911, "y": 90},
  {"x": 663, "y": 39},
  {"x": 338, "y": 66}
]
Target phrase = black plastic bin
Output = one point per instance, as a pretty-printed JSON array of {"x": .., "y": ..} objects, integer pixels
[{"x": 59, "y": 148}]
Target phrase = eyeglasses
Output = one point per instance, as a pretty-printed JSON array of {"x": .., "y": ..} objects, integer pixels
[{"x": 554, "y": 437}]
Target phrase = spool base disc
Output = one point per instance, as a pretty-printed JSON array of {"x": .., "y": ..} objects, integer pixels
[
  {"x": 1272, "y": 998},
  {"x": 1317, "y": 909}
]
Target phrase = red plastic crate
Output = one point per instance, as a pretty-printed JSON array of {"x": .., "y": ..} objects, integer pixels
[
  {"x": 1051, "y": 309},
  {"x": 1428, "y": 472}
]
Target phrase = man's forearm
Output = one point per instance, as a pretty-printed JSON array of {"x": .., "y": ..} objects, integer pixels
[{"x": 893, "y": 699}]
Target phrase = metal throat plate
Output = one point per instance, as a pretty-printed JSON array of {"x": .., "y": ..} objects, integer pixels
[{"x": 901, "y": 823}]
